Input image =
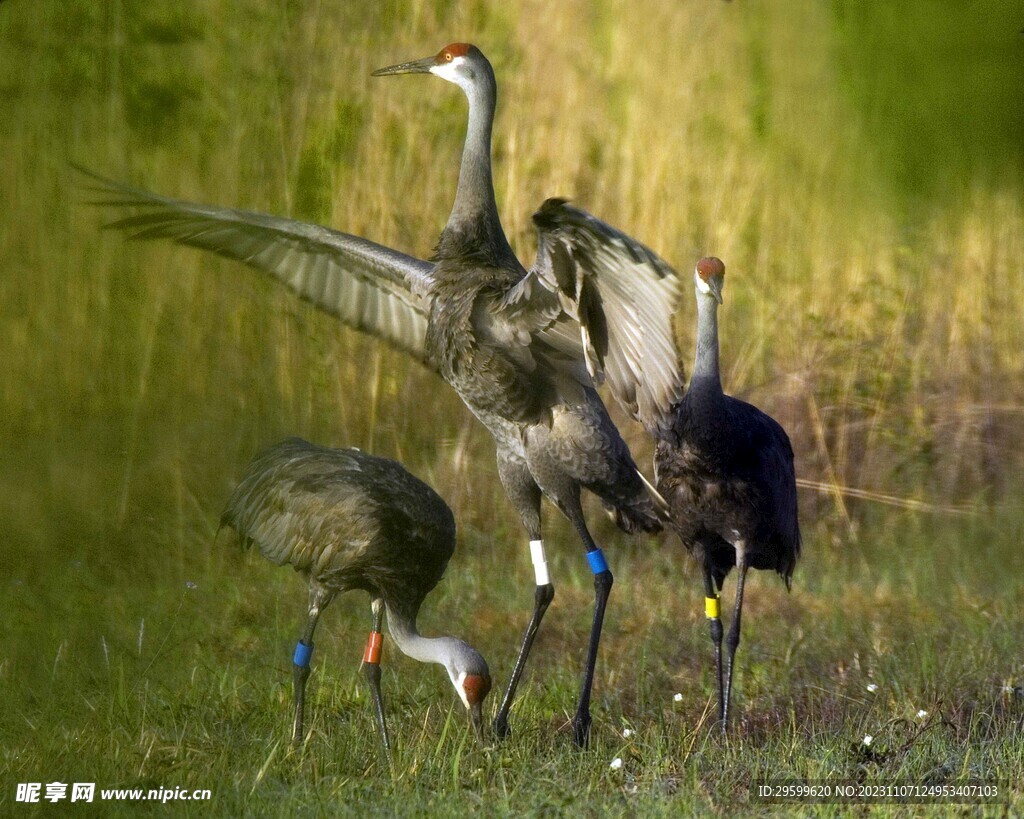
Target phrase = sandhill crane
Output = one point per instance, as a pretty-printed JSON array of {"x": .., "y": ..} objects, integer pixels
[
  {"x": 726, "y": 470},
  {"x": 523, "y": 349},
  {"x": 724, "y": 467},
  {"x": 348, "y": 520}
]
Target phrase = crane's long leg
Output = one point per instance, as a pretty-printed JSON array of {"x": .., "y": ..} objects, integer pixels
[
  {"x": 712, "y": 610},
  {"x": 371, "y": 670},
  {"x": 734, "y": 631},
  {"x": 319, "y": 598},
  {"x": 543, "y": 595},
  {"x": 602, "y": 588},
  {"x": 525, "y": 495}
]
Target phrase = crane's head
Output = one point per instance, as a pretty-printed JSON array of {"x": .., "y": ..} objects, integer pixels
[
  {"x": 460, "y": 63},
  {"x": 709, "y": 277},
  {"x": 471, "y": 677}
]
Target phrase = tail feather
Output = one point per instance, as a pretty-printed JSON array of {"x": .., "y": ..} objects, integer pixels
[
  {"x": 660, "y": 504},
  {"x": 640, "y": 515}
]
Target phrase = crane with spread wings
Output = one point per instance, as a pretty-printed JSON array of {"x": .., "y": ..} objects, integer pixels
[{"x": 524, "y": 349}]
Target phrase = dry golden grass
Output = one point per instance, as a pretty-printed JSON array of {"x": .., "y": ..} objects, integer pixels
[{"x": 892, "y": 353}]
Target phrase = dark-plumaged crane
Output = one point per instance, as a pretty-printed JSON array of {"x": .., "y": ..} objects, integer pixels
[
  {"x": 726, "y": 470},
  {"x": 524, "y": 349},
  {"x": 724, "y": 467},
  {"x": 348, "y": 520}
]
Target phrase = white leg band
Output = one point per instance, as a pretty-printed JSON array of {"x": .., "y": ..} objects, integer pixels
[{"x": 540, "y": 563}]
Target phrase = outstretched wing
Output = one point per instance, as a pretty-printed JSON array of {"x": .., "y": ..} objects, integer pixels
[
  {"x": 367, "y": 286},
  {"x": 609, "y": 301}
]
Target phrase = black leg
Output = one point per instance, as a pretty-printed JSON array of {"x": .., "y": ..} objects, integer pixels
[
  {"x": 525, "y": 496},
  {"x": 602, "y": 588},
  {"x": 319, "y": 598},
  {"x": 734, "y": 633},
  {"x": 300, "y": 673},
  {"x": 711, "y": 610},
  {"x": 371, "y": 670},
  {"x": 542, "y": 599}
]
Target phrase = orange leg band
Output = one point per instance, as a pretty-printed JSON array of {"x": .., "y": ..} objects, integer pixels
[{"x": 373, "y": 647}]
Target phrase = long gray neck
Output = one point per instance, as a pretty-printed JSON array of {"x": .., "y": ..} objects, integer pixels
[
  {"x": 475, "y": 211},
  {"x": 706, "y": 375},
  {"x": 411, "y": 643}
]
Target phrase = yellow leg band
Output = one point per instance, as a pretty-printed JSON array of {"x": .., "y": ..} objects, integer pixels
[{"x": 711, "y": 607}]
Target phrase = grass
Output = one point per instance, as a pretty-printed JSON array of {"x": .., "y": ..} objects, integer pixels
[
  {"x": 143, "y": 682},
  {"x": 875, "y": 284}
]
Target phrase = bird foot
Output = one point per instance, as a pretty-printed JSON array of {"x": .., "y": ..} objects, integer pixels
[
  {"x": 501, "y": 729},
  {"x": 581, "y": 730}
]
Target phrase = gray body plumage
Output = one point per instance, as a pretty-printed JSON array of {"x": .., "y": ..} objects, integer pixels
[
  {"x": 549, "y": 424},
  {"x": 726, "y": 471},
  {"x": 346, "y": 519}
]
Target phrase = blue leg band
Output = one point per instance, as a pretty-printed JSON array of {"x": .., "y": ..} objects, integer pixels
[
  {"x": 597, "y": 562},
  {"x": 302, "y": 654}
]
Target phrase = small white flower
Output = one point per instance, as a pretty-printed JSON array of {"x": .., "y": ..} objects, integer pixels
[
  {"x": 1007, "y": 689},
  {"x": 190, "y": 584},
  {"x": 616, "y": 763},
  {"x": 627, "y": 732},
  {"x": 872, "y": 688},
  {"x": 922, "y": 714},
  {"x": 678, "y": 698},
  {"x": 868, "y": 739}
]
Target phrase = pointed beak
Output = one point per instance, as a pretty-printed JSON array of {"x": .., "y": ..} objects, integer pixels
[
  {"x": 415, "y": 67},
  {"x": 715, "y": 286},
  {"x": 477, "y": 718}
]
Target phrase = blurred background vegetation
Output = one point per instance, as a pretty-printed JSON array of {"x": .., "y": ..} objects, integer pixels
[{"x": 859, "y": 167}]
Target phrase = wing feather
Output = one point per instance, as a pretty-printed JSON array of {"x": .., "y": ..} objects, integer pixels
[
  {"x": 367, "y": 286},
  {"x": 608, "y": 300}
]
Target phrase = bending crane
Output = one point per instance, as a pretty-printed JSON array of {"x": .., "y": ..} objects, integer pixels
[{"x": 348, "y": 520}]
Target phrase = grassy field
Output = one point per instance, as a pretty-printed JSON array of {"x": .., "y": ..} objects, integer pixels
[{"x": 859, "y": 169}]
